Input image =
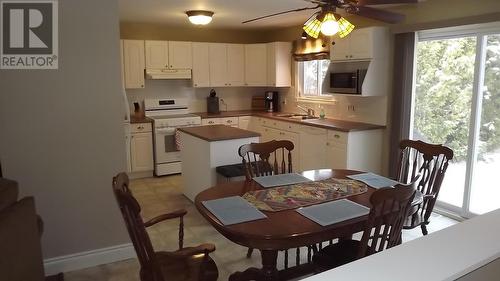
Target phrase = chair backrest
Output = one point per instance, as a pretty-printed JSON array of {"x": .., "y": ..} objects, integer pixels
[
  {"x": 388, "y": 213},
  {"x": 428, "y": 160},
  {"x": 267, "y": 158},
  {"x": 131, "y": 210}
]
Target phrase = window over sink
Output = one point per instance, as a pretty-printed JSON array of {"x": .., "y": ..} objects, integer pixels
[{"x": 311, "y": 76}]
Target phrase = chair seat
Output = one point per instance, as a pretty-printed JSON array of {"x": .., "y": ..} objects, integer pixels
[
  {"x": 187, "y": 269},
  {"x": 336, "y": 254},
  {"x": 413, "y": 221}
]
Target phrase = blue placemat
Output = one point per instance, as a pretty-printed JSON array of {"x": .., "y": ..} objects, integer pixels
[
  {"x": 233, "y": 210},
  {"x": 333, "y": 212},
  {"x": 280, "y": 180},
  {"x": 374, "y": 180}
]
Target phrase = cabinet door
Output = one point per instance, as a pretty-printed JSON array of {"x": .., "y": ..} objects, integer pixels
[
  {"x": 235, "y": 64},
  {"x": 156, "y": 54},
  {"x": 295, "y": 139},
  {"x": 336, "y": 155},
  {"x": 179, "y": 55},
  {"x": 133, "y": 63},
  {"x": 312, "y": 148},
  {"x": 244, "y": 122},
  {"x": 141, "y": 152},
  {"x": 341, "y": 50},
  {"x": 256, "y": 64},
  {"x": 218, "y": 64},
  {"x": 361, "y": 44},
  {"x": 279, "y": 64},
  {"x": 201, "y": 66}
]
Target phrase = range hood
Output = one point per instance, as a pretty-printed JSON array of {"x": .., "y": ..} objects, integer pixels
[{"x": 168, "y": 74}]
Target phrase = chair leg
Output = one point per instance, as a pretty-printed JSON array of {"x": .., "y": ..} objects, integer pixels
[
  {"x": 249, "y": 252},
  {"x": 424, "y": 229}
]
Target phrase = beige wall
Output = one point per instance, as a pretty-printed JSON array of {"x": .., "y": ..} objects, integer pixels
[
  {"x": 62, "y": 134},
  {"x": 150, "y": 31}
]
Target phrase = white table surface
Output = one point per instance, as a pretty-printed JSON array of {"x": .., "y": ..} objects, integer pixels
[{"x": 443, "y": 255}]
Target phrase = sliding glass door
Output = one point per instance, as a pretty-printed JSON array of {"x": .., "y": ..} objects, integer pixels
[{"x": 457, "y": 103}]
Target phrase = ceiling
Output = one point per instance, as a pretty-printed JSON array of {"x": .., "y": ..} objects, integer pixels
[{"x": 228, "y": 13}]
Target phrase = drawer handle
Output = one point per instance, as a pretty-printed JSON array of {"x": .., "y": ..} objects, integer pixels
[
  {"x": 140, "y": 127},
  {"x": 327, "y": 144},
  {"x": 336, "y": 136}
]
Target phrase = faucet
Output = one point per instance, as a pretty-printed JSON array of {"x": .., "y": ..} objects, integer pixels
[{"x": 310, "y": 112}]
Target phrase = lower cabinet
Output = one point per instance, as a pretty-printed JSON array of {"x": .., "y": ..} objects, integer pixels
[
  {"x": 357, "y": 150},
  {"x": 141, "y": 148},
  {"x": 312, "y": 148}
]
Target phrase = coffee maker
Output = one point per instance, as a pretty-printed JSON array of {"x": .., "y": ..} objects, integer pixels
[{"x": 272, "y": 101}]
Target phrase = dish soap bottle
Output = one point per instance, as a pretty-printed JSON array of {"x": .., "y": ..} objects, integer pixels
[{"x": 322, "y": 113}]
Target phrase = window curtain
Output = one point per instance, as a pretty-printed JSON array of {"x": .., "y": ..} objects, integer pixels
[{"x": 404, "y": 57}]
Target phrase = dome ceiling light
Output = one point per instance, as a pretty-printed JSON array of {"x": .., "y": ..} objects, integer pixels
[{"x": 199, "y": 17}]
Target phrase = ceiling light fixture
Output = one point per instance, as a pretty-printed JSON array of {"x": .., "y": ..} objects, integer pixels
[
  {"x": 328, "y": 23},
  {"x": 200, "y": 17}
]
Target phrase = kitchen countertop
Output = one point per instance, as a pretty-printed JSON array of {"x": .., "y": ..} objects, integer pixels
[
  {"x": 327, "y": 123},
  {"x": 139, "y": 119},
  {"x": 218, "y": 132}
]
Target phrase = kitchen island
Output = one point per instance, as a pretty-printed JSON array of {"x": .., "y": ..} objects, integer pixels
[{"x": 206, "y": 147}]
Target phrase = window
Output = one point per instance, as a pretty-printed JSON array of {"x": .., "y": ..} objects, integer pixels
[
  {"x": 457, "y": 103},
  {"x": 311, "y": 77}
]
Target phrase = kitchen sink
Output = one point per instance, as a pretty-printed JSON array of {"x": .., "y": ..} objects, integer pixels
[{"x": 297, "y": 116}]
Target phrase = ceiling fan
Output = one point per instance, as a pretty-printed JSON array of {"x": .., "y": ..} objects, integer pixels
[{"x": 328, "y": 22}]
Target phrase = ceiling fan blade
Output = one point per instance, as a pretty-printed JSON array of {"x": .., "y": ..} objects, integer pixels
[
  {"x": 382, "y": 2},
  {"x": 281, "y": 13},
  {"x": 378, "y": 14}
]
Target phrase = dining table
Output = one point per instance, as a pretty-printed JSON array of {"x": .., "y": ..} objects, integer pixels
[{"x": 281, "y": 230}]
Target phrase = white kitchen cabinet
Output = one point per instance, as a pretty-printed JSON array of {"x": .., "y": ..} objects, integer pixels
[
  {"x": 244, "y": 122},
  {"x": 133, "y": 63},
  {"x": 141, "y": 148},
  {"x": 256, "y": 64},
  {"x": 312, "y": 148},
  {"x": 180, "y": 55},
  {"x": 156, "y": 54},
  {"x": 217, "y": 53},
  {"x": 201, "y": 65},
  {"x": 168, "y": 54},
  {"x": 362, "y": 44},
  {"x": 356, "y": 150},
  {"x": 210, "y": 121},
  {"x": 235, "y": 64},
  {"x": 279, "y": 64},
  {"x": 272, "y": 130}
]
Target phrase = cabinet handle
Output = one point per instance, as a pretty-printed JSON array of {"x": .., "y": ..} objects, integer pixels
[
  {"x": 171, "y": 66},
  {"x": 195, "y": 85},
  {"x": 347, "y": 56},
  {"x": 327, "y": 144},
  {"x": 350, "y": 56},
  {"x": 142, "y": 86},
  {"x": 140, "y": 127},
  {"x": 336, "y": 136}
]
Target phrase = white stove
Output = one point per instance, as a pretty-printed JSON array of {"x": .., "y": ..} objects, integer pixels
[{"x": 168, "y": 115}]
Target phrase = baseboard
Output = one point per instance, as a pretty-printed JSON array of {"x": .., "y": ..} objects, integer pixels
[{"x": 88, "y": 259}]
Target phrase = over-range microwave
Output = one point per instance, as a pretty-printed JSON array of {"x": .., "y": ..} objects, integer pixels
[{"x": 347, "y": 82}]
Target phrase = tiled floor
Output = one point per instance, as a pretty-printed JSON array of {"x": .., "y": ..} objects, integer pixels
[{"x": 159, "y": 195}]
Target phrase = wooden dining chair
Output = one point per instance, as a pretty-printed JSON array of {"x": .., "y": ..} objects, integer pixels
[
  {"x": 266, "y": 158},
  {"x": 431, "y": 162},
  {"x": 383, "y": 229},
  {"x": 186, "y": 264}
]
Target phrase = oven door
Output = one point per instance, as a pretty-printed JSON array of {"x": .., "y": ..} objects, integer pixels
[{"x": 165, "y": 148}]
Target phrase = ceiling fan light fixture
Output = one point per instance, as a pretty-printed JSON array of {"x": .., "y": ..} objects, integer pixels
[
  {"x": 345, "y": 27},
  {"x": 329, "y": 25},
  {"x": 312, "y": 26},
  {"x": 199, "y": 17}
]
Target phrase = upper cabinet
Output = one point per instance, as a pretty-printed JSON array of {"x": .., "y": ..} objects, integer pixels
[
  {"x": 256, "y": 65},
  {"x": 279, "y": 64},
  {"x": 133, "y": 64},
  {"x": 235, "y": 64},
  {"x": 201, "y": 66},
  {"x": 179, "y": 55},
  {"x": 361, "y": 44},
  {"x": 168, "y": 54},
  {"x": 227, "y": 64}
]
